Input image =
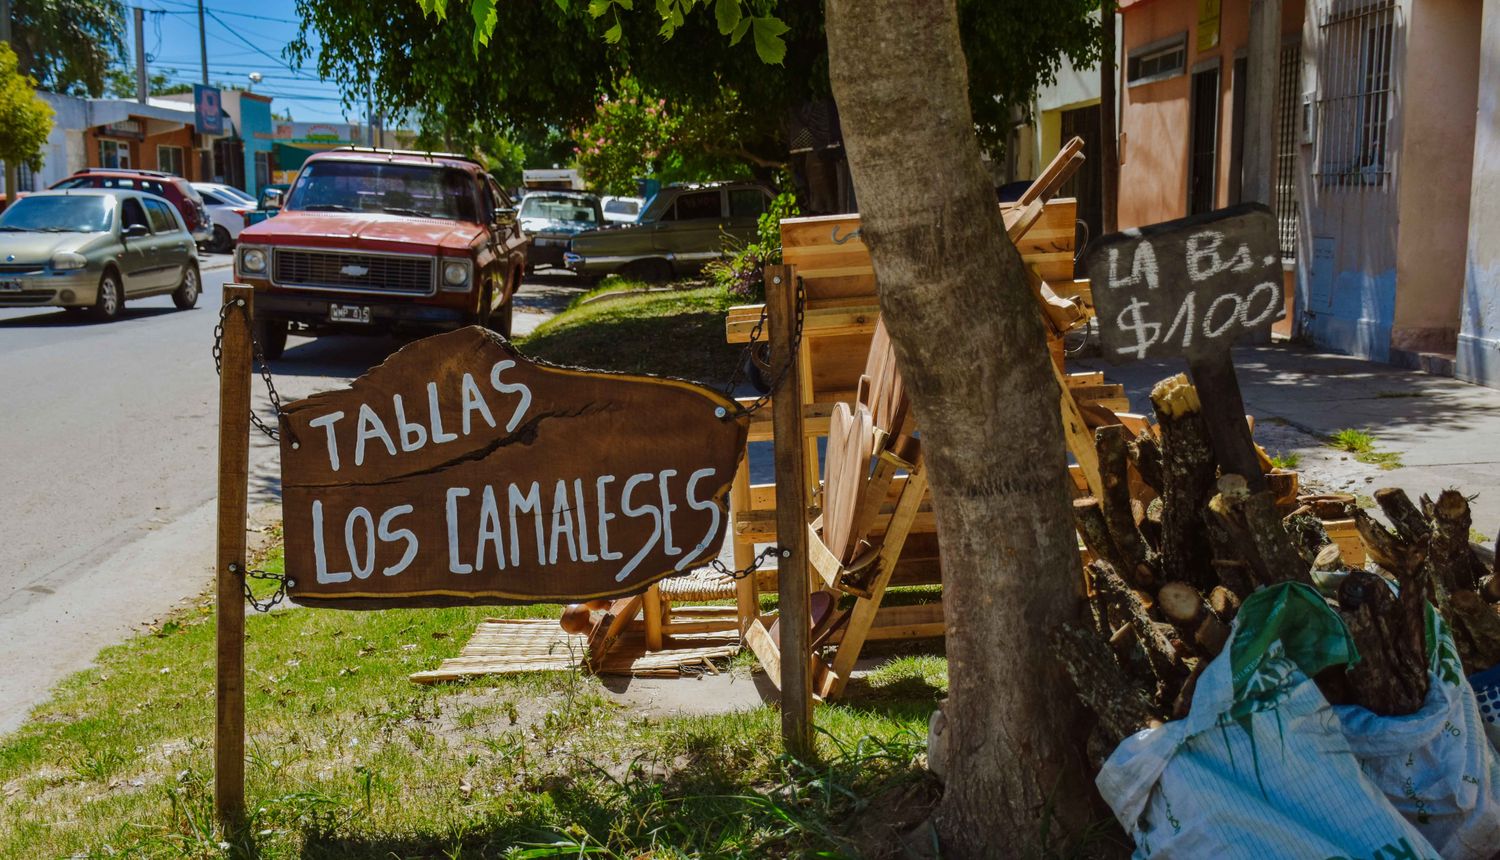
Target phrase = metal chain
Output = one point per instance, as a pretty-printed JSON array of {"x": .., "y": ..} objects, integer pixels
[
  {"x": 754, "y": 565},
  {"x": 260, "y": 363},
  {"x": 276, "y": 597},
  {"x": 781, "y": 375}
]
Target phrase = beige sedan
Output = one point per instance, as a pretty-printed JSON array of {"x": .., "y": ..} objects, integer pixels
[{"x": 92, "y": 249}]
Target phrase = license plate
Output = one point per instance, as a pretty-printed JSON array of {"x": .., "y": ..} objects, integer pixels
[
  {"x": 10, "y": 286},
  {"x": 349, "y": 313}
]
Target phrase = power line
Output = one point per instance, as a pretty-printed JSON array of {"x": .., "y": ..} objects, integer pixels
[{"x": 212, "y": 9}]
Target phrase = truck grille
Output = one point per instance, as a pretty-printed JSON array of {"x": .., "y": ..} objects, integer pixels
[{"x": 352, "y": 272}]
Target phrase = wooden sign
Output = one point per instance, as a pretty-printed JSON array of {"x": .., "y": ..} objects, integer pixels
[
  {"x": 460, "y": 472},
  {"x": 1187, "y": 287}
]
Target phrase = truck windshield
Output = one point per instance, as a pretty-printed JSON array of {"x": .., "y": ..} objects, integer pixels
[
  {"x": 557, "y": 208},
  {"x": 399, "y": 189}
]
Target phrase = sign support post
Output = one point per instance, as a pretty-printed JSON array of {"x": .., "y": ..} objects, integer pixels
[
  {"x": 791, "y": 515},
  {"x": 1224, "y": 414},
  {"x": 234, "y": 479}
]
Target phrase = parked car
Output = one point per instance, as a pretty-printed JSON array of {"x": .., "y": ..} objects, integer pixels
[
  {"x": 682, "y": 227},
  {"x": 175, "y": 189},
  {"x": 552, "y": 219},
  {"x": 229, "y": 209},
  {"x": 375, "y": 240},
  {"x": 91, "y": 249},
  {"x": 622, "y": 210}
]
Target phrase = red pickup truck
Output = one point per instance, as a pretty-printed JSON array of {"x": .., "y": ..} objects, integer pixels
[{"x": 381, "y": 240}]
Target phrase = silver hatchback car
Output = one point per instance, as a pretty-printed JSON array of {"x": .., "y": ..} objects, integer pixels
[{"x": 91, "y": 249}]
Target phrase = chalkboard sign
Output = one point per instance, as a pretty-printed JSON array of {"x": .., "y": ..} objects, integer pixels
[
  {"x": 461, "y": 472},
  {"x": 1188, "y": 287}
]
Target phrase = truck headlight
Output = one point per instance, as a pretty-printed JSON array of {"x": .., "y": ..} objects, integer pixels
[
  {"x": 456, "y": 275},
  {"x": 252, "y": 260},
  {"x": 67, "y": 261}
]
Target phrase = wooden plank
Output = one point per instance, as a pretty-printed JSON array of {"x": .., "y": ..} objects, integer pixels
[
  {"x": 234, "y": 489},
  {"x": 791, "y": 513},
  {"x": 758, "y": 638},
  {"x": 815, "y": 417},
  {"x": 902, "y": 520},
  {"x": 919, "y": 621},
  {"x": 603, "y": 637},
  {"x": 1346, "y": 535},
  {"x": 1085, "y": 378},
  {"x": 760, "y": 526},
  {"x": 651, "y": 612},
  {"x": 1076, "y": 433},
  {"x": 746, "y": 589}
]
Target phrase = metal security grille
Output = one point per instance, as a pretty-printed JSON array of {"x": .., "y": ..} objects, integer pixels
[
  {"x": 1355, "y": 90},
  {"x": 363, "y": 273},
  {"x": 1288, "y": 92}
]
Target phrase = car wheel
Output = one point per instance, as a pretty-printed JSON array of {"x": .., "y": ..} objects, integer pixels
[
  {"x": 223, "y": 243},
  {"x": 271, "y": 335},
  {"x": 186, "y": 294},
  {"x": 111, "y": 298}
]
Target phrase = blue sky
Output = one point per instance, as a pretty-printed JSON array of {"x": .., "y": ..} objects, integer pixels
[{"x": 242, "y": 38}]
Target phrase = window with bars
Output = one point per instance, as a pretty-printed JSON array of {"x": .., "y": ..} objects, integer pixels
[
  {"x": 1354, "y": 92},
  {"x": 1288, "y": 96}
]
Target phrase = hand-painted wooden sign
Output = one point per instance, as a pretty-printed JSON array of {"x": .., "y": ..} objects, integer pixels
[
  {"x": 1187, "y": 287},
  {"x": 460, "y": 472}
]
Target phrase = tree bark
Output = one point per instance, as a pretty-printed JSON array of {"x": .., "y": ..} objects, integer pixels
[
  {"x": 1188, "y": 470},
  {"x": 970, "y": 345}
]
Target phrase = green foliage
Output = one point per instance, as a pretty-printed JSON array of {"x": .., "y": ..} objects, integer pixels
[
  {"x": 635, "y": 133},
  {"x": 1362, "y": 446},
  {"x": 25, "y": 120},
  {"x": 68, "y": 46},
  {"x": 740, "y": 273},
  {"x": 1286, "y": 460},
  {"x": 120, "y": 83}
]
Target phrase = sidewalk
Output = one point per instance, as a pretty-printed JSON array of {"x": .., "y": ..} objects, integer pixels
[{"x": 1447, "y": 432}]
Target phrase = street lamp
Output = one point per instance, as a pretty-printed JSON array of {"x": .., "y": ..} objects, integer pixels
[{"x": 255, "y": 78}]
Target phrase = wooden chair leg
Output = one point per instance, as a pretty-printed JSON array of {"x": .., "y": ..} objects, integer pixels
[
  {"x": 746, "y": 594},
  {"x": 651, "y": 609}
]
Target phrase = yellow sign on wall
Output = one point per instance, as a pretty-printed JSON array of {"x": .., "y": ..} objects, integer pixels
[{"x": 1208, "y": 25}]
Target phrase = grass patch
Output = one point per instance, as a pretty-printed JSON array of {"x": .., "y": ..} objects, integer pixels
[
  {"x": 679, "y": 333},
  {"x": 1286, "y": 460},
  {"x": 348, "y": 759},
  {"x": 1362, "y": 446},
  {"x": 1477, "y": 536}
]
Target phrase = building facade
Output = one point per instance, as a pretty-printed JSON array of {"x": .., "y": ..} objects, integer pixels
[{"x": 157, "y": 135}]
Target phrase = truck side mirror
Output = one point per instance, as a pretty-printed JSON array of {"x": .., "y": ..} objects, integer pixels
[
  {"x": 272, "y": 198},
  {"x": 504, "y": 216}
]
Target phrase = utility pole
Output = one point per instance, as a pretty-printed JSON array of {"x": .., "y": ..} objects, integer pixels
[
  {"x": 202, "y": 43},
  {"x": 1262, "y": 65},
  {"x": 5, "y": 21},
  {"x": 140, "y": 53},
  {"x": 1109, "y": 141}
]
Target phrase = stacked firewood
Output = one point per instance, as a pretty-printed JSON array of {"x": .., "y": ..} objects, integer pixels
[{"x": 1176, "y": 547}]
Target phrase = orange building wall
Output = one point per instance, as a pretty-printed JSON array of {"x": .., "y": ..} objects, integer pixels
[
  {"x": 1155, "y": 118},
  {"x": 143, "y": 155}
]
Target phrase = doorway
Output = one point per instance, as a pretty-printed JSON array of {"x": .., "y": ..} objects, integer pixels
[{"x": 1203, "y": 146}]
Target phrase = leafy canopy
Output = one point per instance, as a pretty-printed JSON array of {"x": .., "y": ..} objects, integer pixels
[
  {"x": 25, "y": 120},
  {"x": 525, "y": 65},
  {"x": 68, "y": 46}
]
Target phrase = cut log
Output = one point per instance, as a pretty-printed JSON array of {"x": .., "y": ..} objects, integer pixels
[
  {"x": 1165, "y": 664},
  {"x": 1137, "y": 559},
  {"x": 1391, "y": 677},
  {"x": 1088, "y": 516},
  {"x": 1476, "y": 630},
  {"x": 1151, "y": 524},
  {"x": 1383, "y": 546},
  {"x": 1184, "y": 701},
  {"x": 1489, "y": 588},
  {"x": 1145, "y": 454},
  {"x": 1328, "y": 558},
  {"x": 1184, "y": 606},
  {"x": 1188, "y": 469},
  {"x": 1308, "y": 534},
  {"x": 1410, "y": 525},
  {"x": 1224, "y": 603},
  {"x": 1453, "y": 562},
  {"x": 1122, "y": 707},
  {"x": 1255, "y": 531}
]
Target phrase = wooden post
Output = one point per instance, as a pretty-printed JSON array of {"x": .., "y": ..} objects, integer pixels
[
  {"x": 791, "y": 515},
  {"x": 1224, "y": 413},
  {"x": 234, "y": 479}
]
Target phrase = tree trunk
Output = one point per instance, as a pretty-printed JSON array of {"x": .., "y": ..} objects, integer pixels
[{"x": 970, "y": 345}]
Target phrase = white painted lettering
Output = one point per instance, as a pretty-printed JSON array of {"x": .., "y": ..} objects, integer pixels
[
  {"x": 511, "y": 388},
  {"x": 320, "y": 555},
  {"x": 1208, "y": 327},
  {"x": 1143, "y": 269},
  {"x": 666, "y": 515},
  {"x": 413, "y": 434},
  {"x": 403, "y": 534},
  {"x": 583, "y": 529},
  {"x": 473, "y": 402},
  {"x": 364, "y": 570},
  {"x": 562, "y": 524},
  {"x": 436, "y": 416},
  {"x": 327, "y": 422},
  {"x": 455, "y": 565},
  {"x": 489, "y": 530},
  {"x": 604, "y": 517},
  {"x": 530, "y": 501},
  {"x": 370, "y": 427},
  {"x": 633, "y": 511},
  {"x": 698, "y": 504}
]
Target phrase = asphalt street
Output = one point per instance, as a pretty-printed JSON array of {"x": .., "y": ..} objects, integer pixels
[{"x": 107, "y": 482}]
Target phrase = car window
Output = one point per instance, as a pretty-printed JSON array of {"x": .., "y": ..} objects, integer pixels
[
  {"x": 622, "y": 207},
  {"x": 155, "y": 188},
  {"x": 210, "y": 199},
  {"x": 161, "y": 217},
  {"x": 558, "y": 207},
  {"x": 746, "y": 203},
  {"x": 695, "y": 206},
  {"x": 57, "y": 214},
  {"x": 131, "y": 214}
]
